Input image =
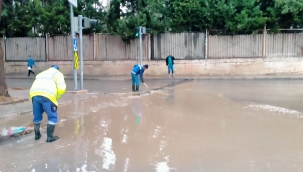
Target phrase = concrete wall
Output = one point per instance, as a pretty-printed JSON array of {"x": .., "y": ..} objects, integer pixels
[{"x": 240, "y": 66}]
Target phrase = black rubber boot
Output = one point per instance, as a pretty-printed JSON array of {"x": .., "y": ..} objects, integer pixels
[
  {"x": 137, "y": 87},
  {"x": 37, "y": 131},
  {"x": 50, "y": 132},
  {"x": 133, "y": 87}
]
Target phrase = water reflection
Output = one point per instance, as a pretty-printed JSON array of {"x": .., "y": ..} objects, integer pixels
[
  {"x": 170, "y": 93},
  {"x": 170, "y": 96},
  {"x": 105, "y": 150},
  {"x": 137, "y": 109}
]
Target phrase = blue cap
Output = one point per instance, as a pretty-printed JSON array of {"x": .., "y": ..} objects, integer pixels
[{"x": 55, "y": 66}]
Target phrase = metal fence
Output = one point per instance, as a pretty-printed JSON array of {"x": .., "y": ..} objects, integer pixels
[
  {"x": 112, "y": 47},
  {"x": 103, "y": 47},
  {"x": 18, "y": 49},
  {"x": 284, "y": 45},
  {"x": 59, "y": 48},
  {"x": 181, "y": 45},
  {"x": 239, "y": 46}
]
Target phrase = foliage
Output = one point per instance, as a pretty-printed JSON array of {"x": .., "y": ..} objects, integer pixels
[{"x": 40, "y": 17}]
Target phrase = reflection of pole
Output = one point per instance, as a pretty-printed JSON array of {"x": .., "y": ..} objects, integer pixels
[
  {"x": 73, "y": 36},
  {"x": 140, "y": 35},
  {"x": 81, "y": 49},
  {"x": 77, "y": 145}
]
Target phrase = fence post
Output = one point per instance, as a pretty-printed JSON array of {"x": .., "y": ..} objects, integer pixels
[
  {"x": 152, "y": 53},
  {"x": 147, "y": 49},
  {"x": 46, "y": 48},
  {"x": 264, "y": 42},
  {"x": 206, "y": 42},
  {"x": 148, "y": 46},
  {"x": 94, "y": 47}
]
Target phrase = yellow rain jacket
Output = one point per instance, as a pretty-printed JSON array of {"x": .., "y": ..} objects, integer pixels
[{"x": 50, "y": 84}]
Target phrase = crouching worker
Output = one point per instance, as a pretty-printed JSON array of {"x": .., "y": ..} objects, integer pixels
[
  {"x": 138, "y": 69},
  {"x": 47, "y": 88}
]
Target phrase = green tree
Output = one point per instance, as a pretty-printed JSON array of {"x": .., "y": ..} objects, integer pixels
[
  {"x": 291, "y": 13},
  {"x": 19, "y": 26},
  {"x": 55, "y": 19},
  {"x": 35, "y": 8},
  {"x": 247, "y": 17},
  {"x": 3, "y": 86},
  {"x": 92, "y": 9},
  {"x": 6, "y": 16}
]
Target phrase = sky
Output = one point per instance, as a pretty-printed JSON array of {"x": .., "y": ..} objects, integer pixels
[{"x": 104, "y": 2}]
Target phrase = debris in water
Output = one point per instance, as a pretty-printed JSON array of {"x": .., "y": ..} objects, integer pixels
[
  {"x": 11, "y": 131},
  {"x": 14, "y": 131}
]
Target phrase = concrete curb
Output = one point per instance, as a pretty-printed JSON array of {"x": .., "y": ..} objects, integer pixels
[
  {"x": 248, "y": 78},
  {"x": 126, "y": 78},
  {"x": 78, "y": 92},
  {"x": 15, "y": 114},
  {"x": 13, "y": 102}
]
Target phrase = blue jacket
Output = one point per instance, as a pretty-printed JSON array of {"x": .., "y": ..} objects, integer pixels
[
  {"x": 138, "y": 69},
  {"x": 31, "y": 62}
]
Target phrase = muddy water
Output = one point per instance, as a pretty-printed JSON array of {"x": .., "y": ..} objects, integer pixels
[
  {"x": 194, "y": 126},
  {"x": 108, "y": 86}
]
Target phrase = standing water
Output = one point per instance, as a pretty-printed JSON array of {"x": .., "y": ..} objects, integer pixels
[{"x": 211, "y": 126}]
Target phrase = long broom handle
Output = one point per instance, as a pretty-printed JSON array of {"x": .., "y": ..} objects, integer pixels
[{"x": 26, "y": 127}]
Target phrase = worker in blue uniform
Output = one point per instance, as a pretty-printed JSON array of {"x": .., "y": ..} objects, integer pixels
[{"x": 137, "y": 70}]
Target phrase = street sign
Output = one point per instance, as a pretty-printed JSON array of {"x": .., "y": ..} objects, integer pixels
[
  {"x": 73, "y": 2},
  {"x": 75, "y": 45}
]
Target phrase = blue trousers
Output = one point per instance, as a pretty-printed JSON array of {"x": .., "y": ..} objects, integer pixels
[
  {"x": 170, "y": 68},
  {"x": 135, "y": 79},
  {"x": 42, "y": 104}
]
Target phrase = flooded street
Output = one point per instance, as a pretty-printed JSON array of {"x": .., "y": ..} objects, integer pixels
[{"x": 193, "y": 126}]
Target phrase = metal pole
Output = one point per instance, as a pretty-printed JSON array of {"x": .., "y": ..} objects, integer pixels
[
  {"x": 73, "y": 36},
  {"x": 205, "y": 46},
  {"x": 81, "y": 49},
  {"x": 140, "y": 35},
  {"x": 264, "y": 41}
]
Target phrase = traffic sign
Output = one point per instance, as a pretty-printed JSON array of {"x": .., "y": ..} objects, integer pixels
[
  {"x": 75, "y": 45},
  {"x": 73, "y": 2}
]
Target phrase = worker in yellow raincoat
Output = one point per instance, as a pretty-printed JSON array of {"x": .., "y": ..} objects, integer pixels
[{"x": 47, "y": 88}]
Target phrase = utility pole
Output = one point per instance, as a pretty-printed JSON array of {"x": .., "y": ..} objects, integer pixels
[
  {"x": 73, "y": 3},
  {"x": 140, "y": 46},
  {"x": 87, "y": 24},
  {"x": 81, "y": 49}
]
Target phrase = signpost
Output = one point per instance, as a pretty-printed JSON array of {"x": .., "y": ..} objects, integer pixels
[
  {"x": 87, "y": 24},
  {"x": 73, "y": 3},
  {"x": 80, "y": 17},
  {"x": 74, "y": 40}
]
